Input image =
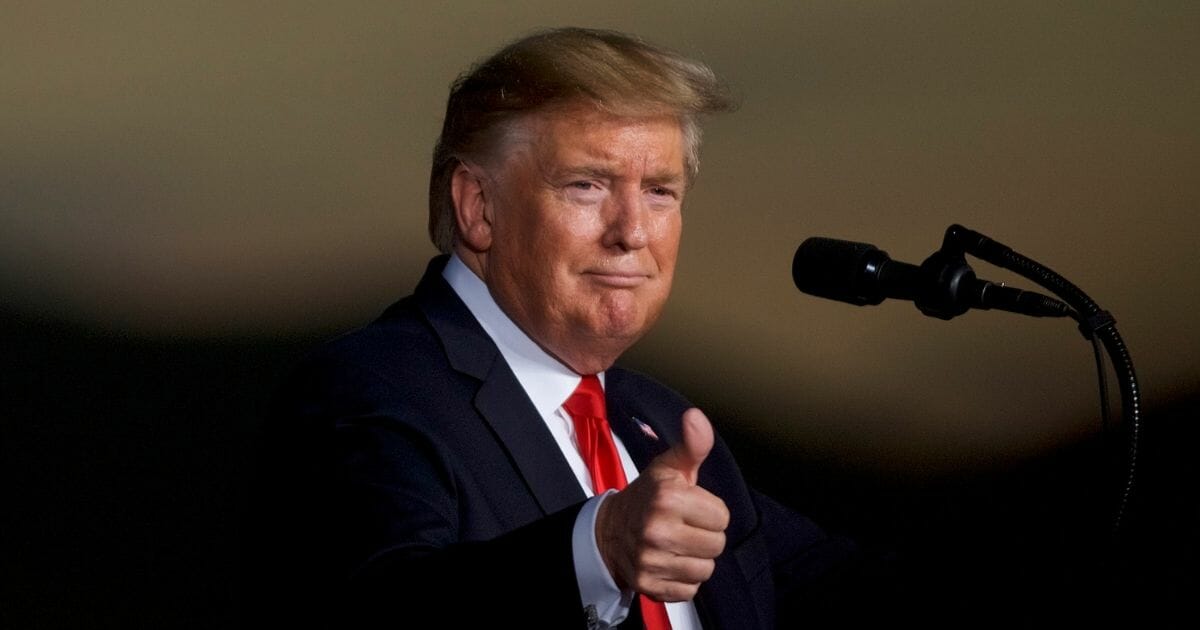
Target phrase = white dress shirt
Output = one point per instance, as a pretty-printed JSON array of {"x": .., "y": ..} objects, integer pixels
[{"x": 549, "y": 383}]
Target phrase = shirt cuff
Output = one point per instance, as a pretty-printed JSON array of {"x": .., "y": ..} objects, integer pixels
[{"x": 597, "y": 590}]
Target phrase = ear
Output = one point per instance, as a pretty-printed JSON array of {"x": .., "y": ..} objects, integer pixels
[{"x": 471, "y": 209}]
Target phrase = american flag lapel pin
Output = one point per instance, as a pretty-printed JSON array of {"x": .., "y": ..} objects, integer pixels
[{"x": 646, "y": 430}]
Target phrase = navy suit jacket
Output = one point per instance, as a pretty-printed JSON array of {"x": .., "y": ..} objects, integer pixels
[{"x": 409, "y": 467}]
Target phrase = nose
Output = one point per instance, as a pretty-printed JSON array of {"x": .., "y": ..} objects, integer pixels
[{"x": 626, "y": 221}]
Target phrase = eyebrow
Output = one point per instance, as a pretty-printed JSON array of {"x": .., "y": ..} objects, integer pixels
[
  {"x": 600, "y": 172},
  {"x": 585, "y": 171}
]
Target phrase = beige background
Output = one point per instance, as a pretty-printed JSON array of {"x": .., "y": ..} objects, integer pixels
[{"x": 231, "y": 169}]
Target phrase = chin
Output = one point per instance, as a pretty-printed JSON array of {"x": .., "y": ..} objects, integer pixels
[
  {"x": 625, "y": 333},
  {"x": 620, "y": 323}
]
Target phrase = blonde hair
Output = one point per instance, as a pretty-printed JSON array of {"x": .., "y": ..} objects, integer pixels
[{"x": 619, "y": 73}]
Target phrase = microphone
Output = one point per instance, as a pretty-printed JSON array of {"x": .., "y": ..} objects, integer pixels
[{"x": 943, "y": 286}]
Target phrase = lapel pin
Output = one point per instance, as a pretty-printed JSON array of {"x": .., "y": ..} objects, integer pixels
[{"x": 646, "y": 429}]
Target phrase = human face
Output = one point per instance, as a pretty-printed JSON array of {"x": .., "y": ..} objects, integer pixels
[{"x": 584, "y": 216}]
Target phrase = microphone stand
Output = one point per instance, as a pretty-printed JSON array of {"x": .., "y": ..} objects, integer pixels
[{"x": 1094, "y": 323}]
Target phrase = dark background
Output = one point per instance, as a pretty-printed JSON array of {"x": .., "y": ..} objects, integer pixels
[{"x": 191, "y": 195}]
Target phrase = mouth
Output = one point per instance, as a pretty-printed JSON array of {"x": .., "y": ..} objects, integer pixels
[{"x": 618, "y": 280}]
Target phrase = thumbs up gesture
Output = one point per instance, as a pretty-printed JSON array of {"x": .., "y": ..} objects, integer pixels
[{"x": 659, "y": 536}]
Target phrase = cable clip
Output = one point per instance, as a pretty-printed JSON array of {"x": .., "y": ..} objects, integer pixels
[{"x": 1094, "y": 322}]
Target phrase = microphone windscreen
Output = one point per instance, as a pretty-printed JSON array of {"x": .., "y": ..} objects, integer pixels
[{"x": 834, "y": 269}]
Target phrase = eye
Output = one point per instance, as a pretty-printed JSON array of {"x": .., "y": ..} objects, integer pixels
[
  {"x": 662, "y": 192},
  {"x": 584, "y": 191}
]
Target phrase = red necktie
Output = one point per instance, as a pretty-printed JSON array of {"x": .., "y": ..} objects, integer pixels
[{"x": 586, "y": 406}]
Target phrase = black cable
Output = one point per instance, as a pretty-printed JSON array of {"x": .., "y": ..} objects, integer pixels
[
  {"x": 1094, "y": 323},
  {"x": 1100, "y": 372}
]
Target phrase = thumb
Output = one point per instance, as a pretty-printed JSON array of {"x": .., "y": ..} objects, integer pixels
[{"x": 687, "y": 456}]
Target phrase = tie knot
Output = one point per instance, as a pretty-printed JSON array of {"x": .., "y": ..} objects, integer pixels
[{"x": 587, "y": 400}]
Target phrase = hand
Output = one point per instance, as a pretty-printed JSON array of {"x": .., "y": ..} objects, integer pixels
[{"x": 660, "y": 534}]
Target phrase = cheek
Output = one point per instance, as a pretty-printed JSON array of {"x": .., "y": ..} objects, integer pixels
[
  {"x": 578, "y": 225},
  {"x": 665, "y": 234}
]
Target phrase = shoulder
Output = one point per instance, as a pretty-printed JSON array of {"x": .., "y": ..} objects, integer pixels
[
  {"x": 392, "y": 364},
  {"x": 644, "y": 393},
  {"x": 397, "y": 337}
]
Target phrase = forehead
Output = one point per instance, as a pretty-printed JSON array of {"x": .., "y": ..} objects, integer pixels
[{"x": 584, "y": 136}]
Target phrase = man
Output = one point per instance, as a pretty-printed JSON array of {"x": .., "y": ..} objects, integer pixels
[{"x": 442, "y": 453}]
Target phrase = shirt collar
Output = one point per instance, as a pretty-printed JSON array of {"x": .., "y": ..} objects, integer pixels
[{"x": 545, "y": 379}]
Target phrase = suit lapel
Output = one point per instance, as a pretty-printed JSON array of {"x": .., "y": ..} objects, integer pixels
[
  {"x": 646, "y": 430},
  {"x": 500, "y": 399},
  {"x": 643, "y": 438},
  {"x": 503, "y": 404}
]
